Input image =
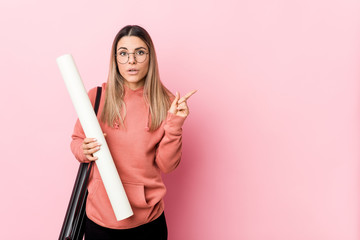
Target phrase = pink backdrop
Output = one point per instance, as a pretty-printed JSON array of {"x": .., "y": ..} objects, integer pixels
[{"x": 271, "y": 147}]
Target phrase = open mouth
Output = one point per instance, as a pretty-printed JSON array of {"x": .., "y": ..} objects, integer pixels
[{"x": 133, "y": 71}]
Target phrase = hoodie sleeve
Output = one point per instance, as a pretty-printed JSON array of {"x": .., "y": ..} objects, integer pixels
[
  {"x": 78, "y": 135},
  {"x": 168, "y": 154}
]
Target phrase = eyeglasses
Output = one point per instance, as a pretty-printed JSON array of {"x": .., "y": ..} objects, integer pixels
[{"x": 139, "y": 56}]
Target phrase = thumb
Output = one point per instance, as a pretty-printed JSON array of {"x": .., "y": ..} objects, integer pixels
[{"x": 174, "y": 103}]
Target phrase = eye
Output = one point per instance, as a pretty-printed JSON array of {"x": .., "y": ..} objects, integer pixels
[
  {"x": 122, "y": 54},
  {"x": 140, "y": 52}
]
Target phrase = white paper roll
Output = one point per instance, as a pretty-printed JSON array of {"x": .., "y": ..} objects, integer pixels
[{"x": 91, "y": 127}]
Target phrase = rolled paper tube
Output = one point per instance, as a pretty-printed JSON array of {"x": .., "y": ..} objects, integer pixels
[{"x": 91, "y": 127}]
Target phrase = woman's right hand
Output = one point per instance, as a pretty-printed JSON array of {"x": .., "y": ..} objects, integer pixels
[{"x": 91, "y": 146}]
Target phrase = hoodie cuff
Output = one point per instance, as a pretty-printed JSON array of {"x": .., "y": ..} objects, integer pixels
[{"x": 174, "y": 123}]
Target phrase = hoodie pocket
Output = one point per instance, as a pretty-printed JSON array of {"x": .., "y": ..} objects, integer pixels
[{"x": 136, "y": 194}]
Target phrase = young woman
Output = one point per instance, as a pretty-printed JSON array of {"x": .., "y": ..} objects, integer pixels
[{"x": 142, "y": 122}]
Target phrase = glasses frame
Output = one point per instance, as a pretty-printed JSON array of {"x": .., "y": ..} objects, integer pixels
[{"x": 128, "y": 54}]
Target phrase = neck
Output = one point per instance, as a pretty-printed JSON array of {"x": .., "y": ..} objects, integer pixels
[{"x": 134, "y": 86}]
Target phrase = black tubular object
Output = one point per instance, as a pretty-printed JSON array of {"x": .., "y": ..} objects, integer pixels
[{"x": 73, "y": 227}]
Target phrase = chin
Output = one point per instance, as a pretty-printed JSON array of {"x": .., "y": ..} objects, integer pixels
[
  {"x": 134, "y": 80},
  {"x": 130, "y": 80}
]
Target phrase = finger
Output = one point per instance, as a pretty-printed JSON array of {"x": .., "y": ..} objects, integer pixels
[
  {"x": 174, "y": 103},
  {"x": 184, "y": 110},
  {"x": 177, "y": 96},
  {"x": 92, "y": 145},
  {"x": 89, "y": 140},
  {"x": 187, "y": 96},
  {"x": 91, "y": 158},
  {"x": 183, "y": 113},
  {"x": 91, "y": 150},
  {"x": 182, "y": 105},
  {"x": 89, "y": 145}
]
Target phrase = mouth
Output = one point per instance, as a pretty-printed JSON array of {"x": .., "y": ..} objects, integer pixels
[{"x": 132, "y": 71}]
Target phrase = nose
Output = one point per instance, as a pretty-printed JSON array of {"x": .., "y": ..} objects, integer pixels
[{"x": 132, "y": 59}]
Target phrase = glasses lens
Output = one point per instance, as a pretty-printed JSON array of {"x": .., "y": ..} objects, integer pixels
[
  {"x": 140, "y": 56},
  {"x": 122, "y": 57}
]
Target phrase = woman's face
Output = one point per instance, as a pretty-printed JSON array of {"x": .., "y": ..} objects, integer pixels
[{"x": 132, "y": 60}]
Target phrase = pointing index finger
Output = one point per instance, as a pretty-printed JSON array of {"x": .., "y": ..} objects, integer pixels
[{"x": 187, "y": 96}]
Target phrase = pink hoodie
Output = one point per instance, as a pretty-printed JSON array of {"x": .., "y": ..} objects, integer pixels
[{"x": 139, "y": 156}]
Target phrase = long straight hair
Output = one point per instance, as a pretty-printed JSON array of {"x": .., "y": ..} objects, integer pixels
[{"x": 156, "y": 95}]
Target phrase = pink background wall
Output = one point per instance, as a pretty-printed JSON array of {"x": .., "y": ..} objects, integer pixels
[{"x": 271, "y": 148}]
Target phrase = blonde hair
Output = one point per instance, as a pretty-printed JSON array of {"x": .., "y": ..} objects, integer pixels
[{"x": 156, "y": 95}]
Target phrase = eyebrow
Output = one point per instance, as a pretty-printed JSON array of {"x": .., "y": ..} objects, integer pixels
[{"x": 135, "y": 48}]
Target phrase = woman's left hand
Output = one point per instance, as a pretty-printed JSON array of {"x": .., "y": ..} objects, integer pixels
[{"x": 179, "y": 106}]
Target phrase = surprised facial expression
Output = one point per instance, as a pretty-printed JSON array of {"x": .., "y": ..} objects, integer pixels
[{"x": 132, "y": 59}]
